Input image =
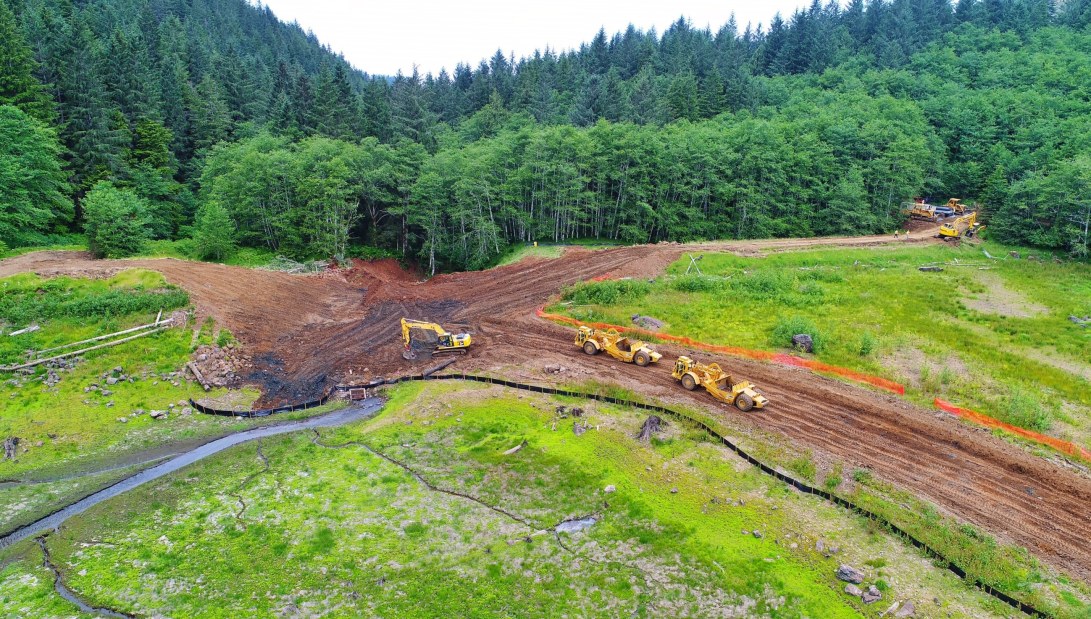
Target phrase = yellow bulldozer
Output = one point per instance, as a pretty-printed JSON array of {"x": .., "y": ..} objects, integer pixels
[
  {"x": 963, "y": 227},
  {"x": 743, "y": 395},
  {"x": 919, "y": 209},
  {"x": 956, "y": 205},
  {"x": 431, "y": 339},
  {"x": 619, "y": 347}
]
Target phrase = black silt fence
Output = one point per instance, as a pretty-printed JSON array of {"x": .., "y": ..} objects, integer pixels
[{"x": 265, "y": 412}]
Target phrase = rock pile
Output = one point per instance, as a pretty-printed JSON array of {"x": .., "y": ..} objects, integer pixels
[{"x": 220, "y": 367}]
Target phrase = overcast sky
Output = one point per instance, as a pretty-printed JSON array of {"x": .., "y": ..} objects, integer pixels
[{"x": 384, "y": 36}]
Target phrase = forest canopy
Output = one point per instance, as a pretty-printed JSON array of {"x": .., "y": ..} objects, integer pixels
[{"x": 233, "y": 128}]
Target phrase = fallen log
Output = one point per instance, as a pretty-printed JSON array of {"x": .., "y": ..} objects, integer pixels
[
  {"x": 12, "y": 368},
  {"x": 515, "y": 449},
  {"x": 106, "y": 337},
  {"x": 197, "y": 374}
]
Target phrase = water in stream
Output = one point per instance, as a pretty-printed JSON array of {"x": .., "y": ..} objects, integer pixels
[{"x": 357, "y": 412}]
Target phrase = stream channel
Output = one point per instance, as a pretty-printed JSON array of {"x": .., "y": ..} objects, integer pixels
[{"x": 357, "y": 412}]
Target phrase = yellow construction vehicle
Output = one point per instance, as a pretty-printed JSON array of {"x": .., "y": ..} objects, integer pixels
[
  {"x": 965, "y": 226},
  {"x": 617, "y": 346},
  {"x": 956, "y": 205},
  {"x": 918, "y": 209},
  {"x": 718, "y": 383},
  {"x": 431, "y": 338}
]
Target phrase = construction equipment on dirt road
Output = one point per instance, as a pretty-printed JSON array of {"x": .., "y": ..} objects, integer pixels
[
  {"x": 957, "y": 207},
  {"x": 431, "y": 339},
  {"x": 963, "y": 227},
  {"x": 616, "y": 345},
  {"x": 743, "y": 395},
  {"x": 918, "y": 209}
]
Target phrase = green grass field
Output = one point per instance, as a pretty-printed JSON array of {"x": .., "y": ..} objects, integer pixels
[
  {"x": 992, "y": 335},
  {"x": 330, "y": 528}
]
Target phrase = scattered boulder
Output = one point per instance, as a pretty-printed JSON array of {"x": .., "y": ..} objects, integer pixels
[
  {"x": 848, "y": 573},
  {"x": 187, "y": 411},
  {"x": 758, "y": 534},
  {"x": 158, "y": 414},
  {"x": 111, "y": 380},
  {"x": 1083, "y": 322},
  {"x": 872, "y": 595},
  {"x": 1014, "y": 254},
  {"x": 853, "y": 590},
  {"x": 674, "y": 490},
  {"x": 610, "y": 489},
  {"x": 579, "y": 428},
  {"x": 647, "y": 322},
  {"x": 907, "y": 610},
  {"x": 803, "y": 342}
]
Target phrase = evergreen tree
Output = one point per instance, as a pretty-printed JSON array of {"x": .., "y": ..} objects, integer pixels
[
  {"x": 33, "y": 189},
  {"x": 18, "y": 86}
]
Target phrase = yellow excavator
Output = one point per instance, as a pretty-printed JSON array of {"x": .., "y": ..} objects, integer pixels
[
  {"x": 718, "y": 383},
  {"x": 594, "y": 341},
  {"x": 963, "y": 227},
  {"x": 428, "y": 337}
]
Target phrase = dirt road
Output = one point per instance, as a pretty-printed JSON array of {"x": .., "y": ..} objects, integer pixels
[{"x": 308, "y": 332}]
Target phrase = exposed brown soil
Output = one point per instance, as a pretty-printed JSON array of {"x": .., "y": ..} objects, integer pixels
[{"x": 308, "y": 332}]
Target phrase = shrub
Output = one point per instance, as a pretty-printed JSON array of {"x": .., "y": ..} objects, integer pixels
[
  {"x": 1025, "y": 410},
  {"x": 606, "y": 293},
  {"x": 116, "y": 221},
  {"x": 861, "y": 476},
  {"x": 765, "y": 285},
  {"x": 367, "y": 252},
  {"x": 786, "y": 328},
  {"x": 696, "y": 283},
  {"x": 868, "y": 344},
  {"x": 805, "y": 467}
]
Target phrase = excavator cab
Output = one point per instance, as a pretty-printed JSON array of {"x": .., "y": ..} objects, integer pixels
[{"x": 432, "y": 339}]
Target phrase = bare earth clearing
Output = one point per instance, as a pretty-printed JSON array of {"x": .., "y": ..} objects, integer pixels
[{"x": 306, "y": 333}]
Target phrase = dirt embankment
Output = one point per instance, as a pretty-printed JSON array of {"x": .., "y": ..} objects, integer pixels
[{"x": 307, "y": 332}]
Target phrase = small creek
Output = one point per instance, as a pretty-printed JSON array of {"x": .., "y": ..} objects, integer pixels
[{"x": 362, "y": 410}]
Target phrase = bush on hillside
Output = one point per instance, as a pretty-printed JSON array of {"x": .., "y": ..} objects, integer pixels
[{"x": 116, "y": 221}]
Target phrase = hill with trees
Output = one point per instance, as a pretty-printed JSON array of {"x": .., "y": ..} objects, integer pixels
[{"x": 232, "y": 128}]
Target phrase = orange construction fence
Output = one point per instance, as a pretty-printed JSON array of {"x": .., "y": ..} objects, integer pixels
[
  {"x": 990, "y": 422},
  {"x": 876, "y": 381},
  {"x": 762, "y": 355}
]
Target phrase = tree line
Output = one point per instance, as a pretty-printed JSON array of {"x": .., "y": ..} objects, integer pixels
[{"x": 210, "y": 119}]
